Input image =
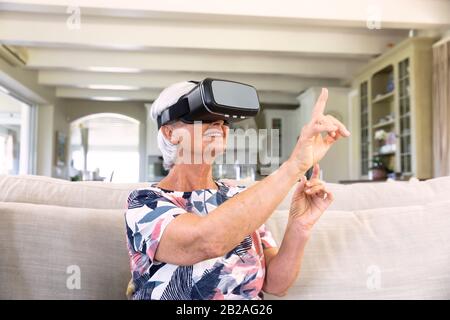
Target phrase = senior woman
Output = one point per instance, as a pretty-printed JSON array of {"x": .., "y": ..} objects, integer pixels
[{"x": 190, "y": 237}]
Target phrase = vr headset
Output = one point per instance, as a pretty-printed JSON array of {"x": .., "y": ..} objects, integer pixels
[{"x": 211, "y": 100}]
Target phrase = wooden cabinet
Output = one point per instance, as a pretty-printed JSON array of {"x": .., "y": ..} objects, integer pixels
[{"x": 394, "y": 110}]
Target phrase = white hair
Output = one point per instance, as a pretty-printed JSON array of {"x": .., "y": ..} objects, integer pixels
[{"x": 166, "y": 98}]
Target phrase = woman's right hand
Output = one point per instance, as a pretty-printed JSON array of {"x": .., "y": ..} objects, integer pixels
[{"x": 311, "y": 145}]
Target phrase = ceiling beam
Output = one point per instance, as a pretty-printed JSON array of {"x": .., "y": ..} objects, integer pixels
[
  {"x": 81, "y": 93},
  {"x": 352, "y": 13},
  {"x": 170, "y": 60},
  {"x": 266, "y": 97},
  {"x": 160, "y": 80},
  {"x": 139, "y": 34}
]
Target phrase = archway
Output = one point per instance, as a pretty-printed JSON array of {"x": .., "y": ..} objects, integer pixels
[{"x": 105, "y": 146}]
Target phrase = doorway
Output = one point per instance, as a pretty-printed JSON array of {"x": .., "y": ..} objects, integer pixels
[{"x": 105, "y": 147}]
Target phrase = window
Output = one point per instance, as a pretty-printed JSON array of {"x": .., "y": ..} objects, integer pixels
[{"x": 17, "y": 123}]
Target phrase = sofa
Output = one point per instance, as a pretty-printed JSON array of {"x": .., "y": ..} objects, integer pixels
[{"x": 386, "y": 240}]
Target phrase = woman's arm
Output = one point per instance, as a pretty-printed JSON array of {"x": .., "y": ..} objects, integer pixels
[
  {"x": 283, "y": 264},
  {"x": 308, "y": 204},
  {"x": 190, "y": 238}
]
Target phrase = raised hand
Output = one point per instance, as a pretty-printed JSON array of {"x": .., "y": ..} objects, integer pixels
[
  {"x": 311, "y": 145},
  {"x": 309, "y": 201}
]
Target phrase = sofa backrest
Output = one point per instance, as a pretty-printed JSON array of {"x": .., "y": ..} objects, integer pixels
[
  {"x": 360, "y": 196},
  {"x": 399, "y": 248},
  {"x": 101, "y": 195},
  {"x": 56, "y": 192}
]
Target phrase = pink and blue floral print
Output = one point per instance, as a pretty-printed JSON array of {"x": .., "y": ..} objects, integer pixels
[{"x": 237, "y": 275}]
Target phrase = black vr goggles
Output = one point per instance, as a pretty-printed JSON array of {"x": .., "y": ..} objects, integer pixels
[{"x": 211, "y": 100}]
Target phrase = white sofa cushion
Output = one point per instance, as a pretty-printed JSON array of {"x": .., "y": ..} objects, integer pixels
[{"x": 383, "y": 253}]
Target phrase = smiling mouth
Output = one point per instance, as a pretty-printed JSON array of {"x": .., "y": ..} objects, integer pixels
[{"x": 213, "y": 134}]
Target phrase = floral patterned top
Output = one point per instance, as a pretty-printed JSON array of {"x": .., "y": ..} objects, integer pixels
[{"x": 237, "y": 275}]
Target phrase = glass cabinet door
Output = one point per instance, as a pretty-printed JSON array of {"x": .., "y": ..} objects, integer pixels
[
  {"x": 364, "y": 104},
  {"x": 405, "y": 116}
]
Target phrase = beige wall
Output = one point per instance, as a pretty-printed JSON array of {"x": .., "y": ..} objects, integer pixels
[{"x": 45, "y": 140}]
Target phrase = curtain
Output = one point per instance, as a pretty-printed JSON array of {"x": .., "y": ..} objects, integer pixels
[{"x": 441, "y": 109}]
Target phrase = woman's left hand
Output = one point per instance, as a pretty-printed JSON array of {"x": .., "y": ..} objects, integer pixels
[{"x": 309, "y": 201}]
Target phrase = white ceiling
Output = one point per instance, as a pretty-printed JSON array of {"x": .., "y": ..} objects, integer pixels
[{"x": 132, "y": 49}]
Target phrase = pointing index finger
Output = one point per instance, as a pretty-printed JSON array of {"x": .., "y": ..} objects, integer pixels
[{"x": 319, "y": 108}]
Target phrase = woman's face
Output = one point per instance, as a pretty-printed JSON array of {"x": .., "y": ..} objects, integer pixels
[{"x": 199, "y": 142}]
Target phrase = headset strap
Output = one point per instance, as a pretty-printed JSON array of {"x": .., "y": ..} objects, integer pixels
[{"x": 176, "y": 111}]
